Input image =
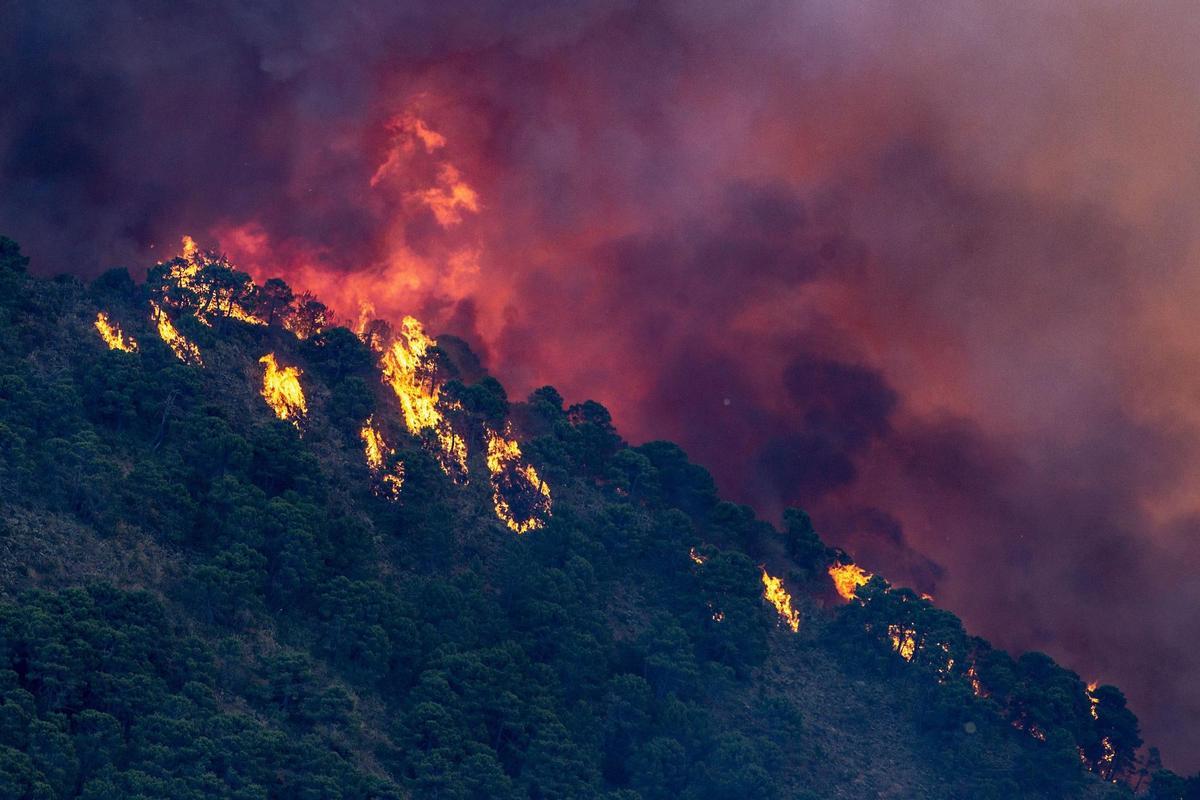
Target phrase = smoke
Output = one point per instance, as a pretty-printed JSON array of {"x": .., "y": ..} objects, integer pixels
[{"x": 924, "y": 270}]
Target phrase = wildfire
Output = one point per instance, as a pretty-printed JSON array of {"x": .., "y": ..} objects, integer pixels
[
  {"x": 1108, "y": 753},
  {"x": 696, "y": 557},
  {"x": 184, "y": 350},
  {"x": 408, "y": 368},
  {"x": 904, "y": 641},
  {"x": 847, "y": 578},
  {"x": 515, "y": 483},
  {"x": 777, "y": 596},
  {"x": 187, "y": 273},
  {"x": 281, "y": 390},
  {"x": 378, "y": 454},
  {"x": 1093, "y": 700},
  {"x": 110, "y": 332},
  {"x": 976, "y": 684}
]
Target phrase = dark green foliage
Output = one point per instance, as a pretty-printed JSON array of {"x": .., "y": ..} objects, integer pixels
[{"x": 269, "y": 628}]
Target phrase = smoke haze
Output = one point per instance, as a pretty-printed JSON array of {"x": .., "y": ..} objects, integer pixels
[{"x": 925, "y": 270}]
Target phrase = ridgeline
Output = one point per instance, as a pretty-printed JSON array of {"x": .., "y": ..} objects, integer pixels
[{"x": 246, "y": 553}]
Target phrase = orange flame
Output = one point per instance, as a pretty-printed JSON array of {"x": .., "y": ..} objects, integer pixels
[
  {"x": 777, "y": 596},
  {"x": 377, "y": 454},
  {"x": 696, "y": 557},
  {"x": 904, "y": 641},
  {"x": 504, "y": 462},
  {"x": 110, "y": 332},
  {"x": 281, "y": 390},
  {"x": 408, "y": 367},
  {"x": 847, "y": 578},
  {"x": 184, "y": 350},
  {"x": 976, "y": 684},
  {"x": 185, "y": 272},
  {"x": 190, "y": 250}
]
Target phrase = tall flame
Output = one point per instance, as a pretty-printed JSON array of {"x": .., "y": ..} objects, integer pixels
[
  {"x": 847, "y": 578},
  {"x": 777, "y": 596},
  {"x": 377, "y": 453},
  {"x": 281, "y": 390},
  {"x": 110, "y": 332},
  {"x": 509, "y": 474},
  {"x": 408, "y": 368},
  {"x": 188, "y": 250},
  {"x": 184, "y": 350}
]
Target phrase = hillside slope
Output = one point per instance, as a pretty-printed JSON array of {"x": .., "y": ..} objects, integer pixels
[{"x": 248, "y": 554}]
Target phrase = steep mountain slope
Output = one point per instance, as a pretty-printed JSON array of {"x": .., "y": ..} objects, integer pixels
[{"x": 248, "y": 554}]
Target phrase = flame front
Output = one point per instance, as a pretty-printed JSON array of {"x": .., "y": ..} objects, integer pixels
[
  {"x": 847, "y": 578},
  {"x": 408, "y": 368},
  {"x": 181, "y": 346},
  {"x": 777, "y": 596},
  {"x": 513, "y": 480},
  {"x": 110, "y": 332},
  {"x": 377, "y": 453},
  {"x": 281, "y": 390}
]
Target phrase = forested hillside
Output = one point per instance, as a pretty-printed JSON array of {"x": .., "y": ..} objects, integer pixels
[{"x": 246, "y": 553}]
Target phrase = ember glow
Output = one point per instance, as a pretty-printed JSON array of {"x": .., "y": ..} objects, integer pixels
[
  {"x": 777, "y": 596},
  {"x": 847, "y": 578},
  {"x": 282, "y": 392},
  {"x": 110, "y": 332},
  {"x": 520, "y": 497},
  {"x": 388, "y": 476},
  {"x": 181, "y": 346}
]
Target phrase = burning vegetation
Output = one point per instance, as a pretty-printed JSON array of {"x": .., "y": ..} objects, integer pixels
[
  {"x": 408, "y": 366},
  {"x": 183, "y": 348},
  {"x": 207, "y": 284},
  {"x": 847, "y": 578},
  {"x": 904, "y": 641},
  {"x": 777, "y": 596},
  {"x": 388, "y": 476},
  {"x": 282, "y": 392},
  {"x": 521, "y": 498},
  {"x": 110, "y": 332}
]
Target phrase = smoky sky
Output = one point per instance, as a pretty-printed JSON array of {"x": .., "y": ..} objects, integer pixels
[{"x": 928, "y": 271}]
